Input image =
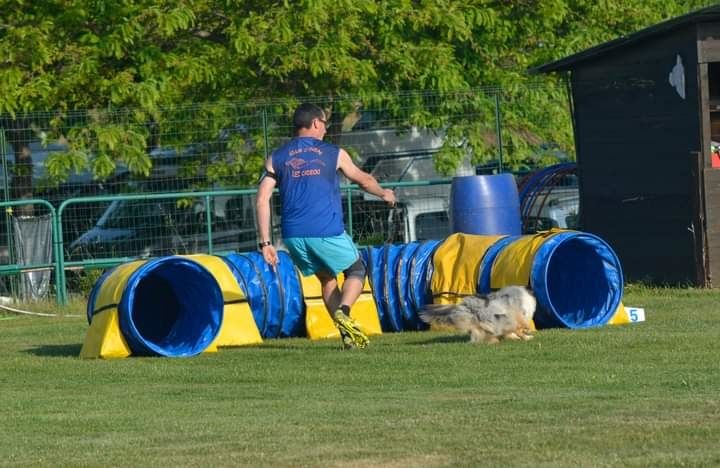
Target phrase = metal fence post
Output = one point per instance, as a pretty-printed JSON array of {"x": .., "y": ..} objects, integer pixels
[
  {"x": 8, "y": 210},
  {"x": 3, "y": 154},
  {"x": 208, "y": 223},
  {"x": 498, "y": 130},
  {"x": 350, "y": 213},
  {"x": 266, "y": 131},
  {"x": 59, "y": 251},
  {"x": 60, "y": 284}
]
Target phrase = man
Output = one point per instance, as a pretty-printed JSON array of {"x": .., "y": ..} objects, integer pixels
[{"x": 306, "y": 171}]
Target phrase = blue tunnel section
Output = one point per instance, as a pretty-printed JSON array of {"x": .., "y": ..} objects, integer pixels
[
  {"x": 400, "y": 280},
  {"x": 417, "y": 283},
  {"x": 275, "y": 297},
  {"x": 171, "y": 306},
  {"x": 576, "y": 277},
  {"x": 578, "y": 281}
]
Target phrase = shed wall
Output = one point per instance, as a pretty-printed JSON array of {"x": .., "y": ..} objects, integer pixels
[
  {"x": 709, "y": 69},
  {"x": 637, "y": 143}
]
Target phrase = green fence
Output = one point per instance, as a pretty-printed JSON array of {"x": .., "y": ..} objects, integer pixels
[
  {"x": 155, "y": 224},
  {"x": 55, "y": 155}
]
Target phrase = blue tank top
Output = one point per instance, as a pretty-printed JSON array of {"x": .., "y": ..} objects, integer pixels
[{"x": 309, "y": 186}]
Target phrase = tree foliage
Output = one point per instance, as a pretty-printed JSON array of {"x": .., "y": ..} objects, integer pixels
[{"x": 156, "y": 57}]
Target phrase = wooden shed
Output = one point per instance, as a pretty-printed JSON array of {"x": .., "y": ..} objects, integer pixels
[{"x": 646, "y": 109}]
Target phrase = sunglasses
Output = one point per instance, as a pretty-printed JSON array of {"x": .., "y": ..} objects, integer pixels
[{"x": 326, "y": 123}]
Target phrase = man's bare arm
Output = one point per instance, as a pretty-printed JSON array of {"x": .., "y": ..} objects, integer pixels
[
  {"x": 366, "y": 181},
  {"x": 262, "y": 209}
]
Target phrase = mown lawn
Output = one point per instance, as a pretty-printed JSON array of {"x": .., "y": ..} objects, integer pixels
[{"x": 637, "y": 395}]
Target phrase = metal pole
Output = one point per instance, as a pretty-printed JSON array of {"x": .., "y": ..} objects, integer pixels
[
  {"x": 60, "y": 286},
  {"x": 8, "y": 210},
  {"x": 208, "y": 223},
  {"x": 58, "y": 251},
  {"x": 498, "y": 130},
  {"x": 350, "y": 213},
  {"x": 3, "y": 155},
  {"x": 266, "y": 132}
]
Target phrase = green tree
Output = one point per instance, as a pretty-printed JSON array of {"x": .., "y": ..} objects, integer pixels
[{"x": 154, "y": 58}]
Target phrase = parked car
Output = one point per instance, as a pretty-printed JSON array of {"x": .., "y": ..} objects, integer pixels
[
  {"x": 558, "y": 208},
  {"x": 425, "y": 219}
]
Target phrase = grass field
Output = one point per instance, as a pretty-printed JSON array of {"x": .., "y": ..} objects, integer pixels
[{"x": 637, "y": 395}]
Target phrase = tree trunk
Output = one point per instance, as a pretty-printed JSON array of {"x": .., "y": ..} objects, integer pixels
[
  {"x": 19, "y": 134},
  {"x": 22, "y": 181}
]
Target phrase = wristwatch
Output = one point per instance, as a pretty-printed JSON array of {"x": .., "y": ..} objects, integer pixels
[{"x": 264, "y": 244}]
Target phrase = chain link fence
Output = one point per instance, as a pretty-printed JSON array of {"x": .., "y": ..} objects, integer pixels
[{"x": 105, "y": 160}]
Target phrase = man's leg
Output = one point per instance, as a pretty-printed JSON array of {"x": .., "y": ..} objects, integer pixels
[
  {"x": 353, "y": 285},
  {"x": 350, "y": 333},
  {"x": 330, "y": 292},
  {"x": 351, "y": 290}
]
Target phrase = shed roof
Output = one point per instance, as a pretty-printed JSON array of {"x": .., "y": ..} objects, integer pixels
[{"x": 703, "y": 15}]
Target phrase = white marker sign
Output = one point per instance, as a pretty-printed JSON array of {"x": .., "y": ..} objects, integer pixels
[{"x": 635, "y": 314}]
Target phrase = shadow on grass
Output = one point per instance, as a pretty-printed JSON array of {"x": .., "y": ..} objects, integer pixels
[
  {"x": 270, "y": 343},
  {"x": 68, "y": 350},
  {"x": 443, "y": 339}
]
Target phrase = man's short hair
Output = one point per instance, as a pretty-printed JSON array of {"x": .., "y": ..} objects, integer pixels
[{"x": 305, "y": 114}]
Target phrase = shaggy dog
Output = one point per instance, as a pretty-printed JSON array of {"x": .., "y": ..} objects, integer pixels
[{"x": 505, "y": 313}]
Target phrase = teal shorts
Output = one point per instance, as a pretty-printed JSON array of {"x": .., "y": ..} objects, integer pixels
[{"x": 331, "y": 254}]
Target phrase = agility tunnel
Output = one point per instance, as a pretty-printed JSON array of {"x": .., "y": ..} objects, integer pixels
[
  {"x": 169, "y": 306},
  {"x": 182, "y": 306},
  {"x": 576, "y": 277}
]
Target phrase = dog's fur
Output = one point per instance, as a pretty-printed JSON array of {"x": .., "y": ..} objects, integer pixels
[{"x": 503, "y": 314}]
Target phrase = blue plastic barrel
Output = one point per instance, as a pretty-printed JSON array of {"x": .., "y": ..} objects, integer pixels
[
  {"x": 171, "y": 306},
  {"x": 485, "y": 205}
]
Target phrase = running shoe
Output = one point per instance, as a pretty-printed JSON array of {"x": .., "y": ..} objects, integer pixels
[{"x": 350, "y": 333}]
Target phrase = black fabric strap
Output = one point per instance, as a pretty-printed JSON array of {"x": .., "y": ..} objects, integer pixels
[
  {"x": 236, "y": 301},
  {"x": 112, "y": 306},
  {"x": 452, "y": 293},
  {"x": 104, "y": 308},
  {"x": 272, "y": 175}
]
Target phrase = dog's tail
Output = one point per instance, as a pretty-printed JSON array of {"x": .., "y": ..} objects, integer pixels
[{"x": 438, "y": 314}]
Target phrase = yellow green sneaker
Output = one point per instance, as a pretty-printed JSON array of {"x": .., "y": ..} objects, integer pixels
[
  {"x": 347, "y": 341},
  {"x": 350, "y": 333}
]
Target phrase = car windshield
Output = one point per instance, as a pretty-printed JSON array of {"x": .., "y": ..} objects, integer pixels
[
  {"x": 124, "y": 214},
  {"x": 435, "y": 225}
]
